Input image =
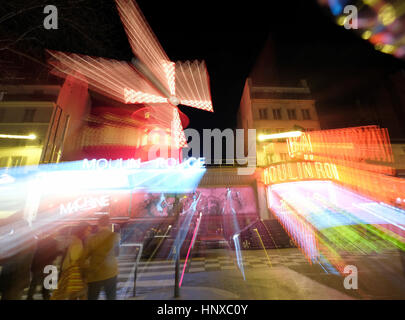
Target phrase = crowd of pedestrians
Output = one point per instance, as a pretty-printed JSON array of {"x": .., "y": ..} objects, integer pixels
[{"x": 85, "y": 266}]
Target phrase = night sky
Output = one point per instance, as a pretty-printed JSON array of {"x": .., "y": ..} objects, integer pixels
[{"x": 303, "y": 43}]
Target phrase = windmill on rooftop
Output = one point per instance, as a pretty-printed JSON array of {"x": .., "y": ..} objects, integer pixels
[{"x": 150, "y": 78}]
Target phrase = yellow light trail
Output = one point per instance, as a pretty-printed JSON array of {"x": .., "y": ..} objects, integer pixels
[
  {"x": 15, "y": 136},
  {"x": 290, "y": 134},
  {"x": 261, "y": 241}
]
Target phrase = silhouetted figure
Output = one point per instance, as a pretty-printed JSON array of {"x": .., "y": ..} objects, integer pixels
[{"x": 46, "y": 253}]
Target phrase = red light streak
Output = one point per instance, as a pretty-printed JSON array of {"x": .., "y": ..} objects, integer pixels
[
  {"x": 362, "y": 156},
  {"x": 177, "y": 130},
  {"x": 132, "y": 96},
  {"x": 378, "y": 186},
  {"x": 170, "y": 75},
  {"x": 187, "y": 82},
  {"x": 193, "y": 85},
  {"x": 203, "y": 105},
  {"x": 112, "y": 78},
  {"x": 189, "y": 248},
  {"x": 143, "y": 41},
  {"x": 355, "y": 147}
]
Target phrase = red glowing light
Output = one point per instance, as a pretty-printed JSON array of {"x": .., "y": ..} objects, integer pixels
[
  {"x": 143, "y": 41},
  {"x": 169, "y": 68},
  {"x": 132, "y": 96},
  {"x": 351, "y": 144},
  {"x": 177, "y": 130},
  {"x": 189, "y": 249},
  {"x": 169, "y": 83},
  {"x": 358, "y": 158}
]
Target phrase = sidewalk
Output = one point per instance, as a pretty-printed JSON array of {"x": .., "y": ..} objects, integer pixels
[
  {"x": 278, "y": 283},
  {"x": 189, "y": 293}
]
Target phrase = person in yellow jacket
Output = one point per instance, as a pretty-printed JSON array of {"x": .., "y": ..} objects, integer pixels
[
  {"x": 72, "y": 284},
  {"x": 101, "y": 252}
]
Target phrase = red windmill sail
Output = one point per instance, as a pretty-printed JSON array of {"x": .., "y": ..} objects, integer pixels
[{"x": 150, "y": 78}]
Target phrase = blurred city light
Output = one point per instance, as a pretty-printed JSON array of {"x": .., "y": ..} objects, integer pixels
[
  {"x": 14, "y": 136},
  {"x": 380, "y": 22},
  {"x": 282, "y": 135}
]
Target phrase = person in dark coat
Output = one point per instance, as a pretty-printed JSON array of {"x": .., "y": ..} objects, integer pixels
[{"x": 46, "y": 253}]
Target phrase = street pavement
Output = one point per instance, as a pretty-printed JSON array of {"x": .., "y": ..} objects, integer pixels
[{"x": 281, "y": 274}]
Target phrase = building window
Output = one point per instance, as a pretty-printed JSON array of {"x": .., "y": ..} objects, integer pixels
[
  {"x": 305, "y": 114},
  {"x": 277, "y": 114},
  {"x": 18, "y": 161},
  {"x": 262, "y": 114},
  {"x": 292, "y": 115},
  {"x": 29, "y": 115}
]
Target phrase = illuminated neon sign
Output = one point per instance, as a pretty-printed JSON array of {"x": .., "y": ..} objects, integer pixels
[
  {"x": 295, "y": 171},
  {"x": 84, "y": 204},
  {"x": 357, "y": 144},
  {"x": 300, "y": 145},
  {"x": 159, "y": 163},
  {"x": 110, "y": 164}
]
